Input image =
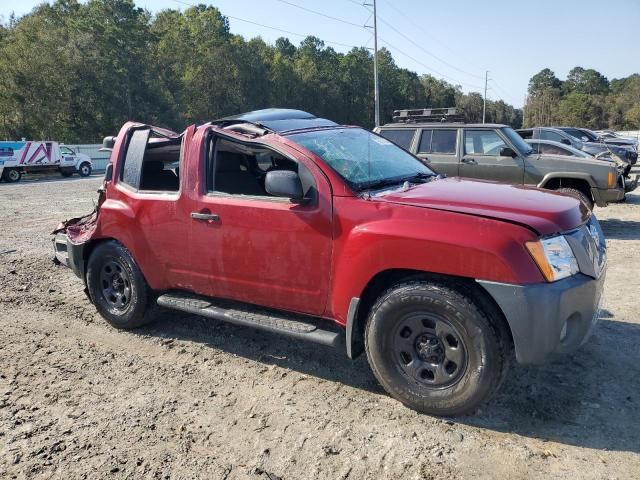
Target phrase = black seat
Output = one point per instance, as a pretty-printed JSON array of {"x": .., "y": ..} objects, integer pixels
[
  {"x": 155, "y": 177},
  {"x": 234, "y": 176}
]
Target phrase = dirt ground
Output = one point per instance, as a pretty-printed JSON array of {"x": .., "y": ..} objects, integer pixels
[{"x": 192, "y": 398}]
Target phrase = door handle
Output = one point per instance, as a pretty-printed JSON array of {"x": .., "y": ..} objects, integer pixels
[
  {"x": 469, "y": 161},
  {"x": 207, "y": 217}
]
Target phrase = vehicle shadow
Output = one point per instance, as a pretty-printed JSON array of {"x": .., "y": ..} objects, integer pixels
[
  {"x": 591, "y": 399},
  {"x": 269, "y": 348},
  {"x": 617, "y": 229}
]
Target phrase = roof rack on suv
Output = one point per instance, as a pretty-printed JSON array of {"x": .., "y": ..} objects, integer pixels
[{"x": 427, "y": 115}]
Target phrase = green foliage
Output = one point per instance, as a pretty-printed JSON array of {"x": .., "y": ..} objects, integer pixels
[
  {"x": 589, "y": 82},
  {"x": 542, "y": 81},
  {"x": 75, "y": 71},
  {"x": 585, "y": 99}
]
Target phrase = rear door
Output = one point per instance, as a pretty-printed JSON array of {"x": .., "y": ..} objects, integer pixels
[
  {"x": 438, "y": 148},
  {"x": 154, "y": 233},
  {"x": 254, "y": 247},
  {"x": 482, "y": 159}
]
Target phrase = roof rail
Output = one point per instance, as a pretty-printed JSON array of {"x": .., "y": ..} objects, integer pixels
[{"x": 429, "y": 115}]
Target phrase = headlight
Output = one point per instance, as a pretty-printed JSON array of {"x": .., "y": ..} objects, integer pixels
[{"x": 554, "y": 257}]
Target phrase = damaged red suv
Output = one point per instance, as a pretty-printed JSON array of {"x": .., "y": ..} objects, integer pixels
[{"x": 293, "y": 224}]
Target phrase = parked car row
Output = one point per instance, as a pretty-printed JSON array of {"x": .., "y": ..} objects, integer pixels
[
  {"x": 585, "y": 140},
  {"x": 295, "y": 225},
  {"x": 499, "y": 153}
]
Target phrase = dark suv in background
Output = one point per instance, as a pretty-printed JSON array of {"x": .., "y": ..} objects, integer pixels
[{"x": 496, "y": 152}]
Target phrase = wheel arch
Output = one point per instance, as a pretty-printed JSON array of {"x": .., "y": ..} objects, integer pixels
[
  {"x": 386, "y": 279},
  {"x": 583, "y": 183},
  {"x": 87, "y": 249}
]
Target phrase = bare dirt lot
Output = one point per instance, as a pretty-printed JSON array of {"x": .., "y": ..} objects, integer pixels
[{"x": 192, "y": 398}]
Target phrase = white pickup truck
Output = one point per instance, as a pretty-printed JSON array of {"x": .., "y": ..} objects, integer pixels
[{"x": 21, "y": 157}]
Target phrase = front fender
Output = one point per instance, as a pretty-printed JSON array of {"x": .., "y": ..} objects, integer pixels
[{"x": 432, "y": 241}]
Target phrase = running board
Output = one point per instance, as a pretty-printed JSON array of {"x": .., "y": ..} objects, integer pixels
[{"x": 300, "y": 327}]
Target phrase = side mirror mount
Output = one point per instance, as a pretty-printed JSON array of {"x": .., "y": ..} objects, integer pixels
[
  {"x": 108, "y": 173},
  {"x": 566, "y": 141},
  {"x": 284, "y": 183},
  {"x": 508, "y": 152}
]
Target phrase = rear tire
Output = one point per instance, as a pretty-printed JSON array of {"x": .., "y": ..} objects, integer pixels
[
  {"x": 434, "y": 349},
  {"x": 11, "y": 175},
  {"x": 117, "y": 287},
  {"x": 575, "y": 193}
]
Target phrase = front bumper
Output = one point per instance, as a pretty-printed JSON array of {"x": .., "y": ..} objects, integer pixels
[
  {"x": 604, "y": 196},
  {"x": 537, "y": 314},
  {"x": 558, "y": 317}
]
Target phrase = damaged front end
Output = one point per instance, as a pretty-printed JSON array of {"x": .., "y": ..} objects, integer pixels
[
  {"x": 72, "y": 238},
  {"x": 624, "y": 168}
]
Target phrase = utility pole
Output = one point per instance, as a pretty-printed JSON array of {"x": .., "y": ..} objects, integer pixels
[
  {"x": 376, "y": 86},
  {"x": 484, "y": 104}
]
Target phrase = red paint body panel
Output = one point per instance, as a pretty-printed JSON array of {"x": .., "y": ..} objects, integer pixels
[
  {"x": 545, "y": 212},
  {"x": 264, "y": 251},
  {"x": 373, "y": 236},
  {"x": 314, "y": 258}
]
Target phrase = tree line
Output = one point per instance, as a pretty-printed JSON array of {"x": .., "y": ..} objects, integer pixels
[
  {"x": 586, "y": 99},
  {"x": 75, "y": 72}
]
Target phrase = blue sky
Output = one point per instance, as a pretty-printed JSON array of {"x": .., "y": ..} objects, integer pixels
[{"x": 452, "y": 39}]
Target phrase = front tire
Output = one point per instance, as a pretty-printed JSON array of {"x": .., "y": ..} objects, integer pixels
[
  {"x": 11, "y": 175},
  {"x": 577, "y": 194},
  {"x": 434, "y": 349},
  {"x": 117, "y": 287}
]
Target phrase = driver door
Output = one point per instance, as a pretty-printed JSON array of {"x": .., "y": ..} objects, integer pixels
[
  {"x": 253, "y": 247},
  {"x": 481, "y": 158}
]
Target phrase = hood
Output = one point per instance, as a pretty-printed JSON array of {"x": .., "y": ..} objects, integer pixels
[
  {"x": 541, "y": 210},
  {"x": 620, "y": 141}
]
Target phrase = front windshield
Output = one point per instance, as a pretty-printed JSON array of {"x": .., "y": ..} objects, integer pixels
[
  {"x": 574, "y": 151},
  {"x": 362, "y": 158},
  {"x": 517, "y": 141}
]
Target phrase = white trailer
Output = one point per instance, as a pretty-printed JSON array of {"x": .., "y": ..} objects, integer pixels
[{"x": 17, "y": 158}]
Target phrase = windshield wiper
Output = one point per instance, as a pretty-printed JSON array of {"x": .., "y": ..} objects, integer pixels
[
  {"x": 420, "y": 176},
  {"x": 385, "y": 182}
]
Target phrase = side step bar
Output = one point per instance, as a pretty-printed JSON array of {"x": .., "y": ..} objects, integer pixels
[{"x": 300, "y": 327}]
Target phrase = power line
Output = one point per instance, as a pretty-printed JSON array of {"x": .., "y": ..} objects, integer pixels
[
  {"x": 321, "y": 14},
  {"x": 272, "y": 28},
  {"x": 410, "y": 20},
  {"x": 409, "y": 39},
  {"x": 503, "y": 90},
  {"x": 456, "y": 82}
]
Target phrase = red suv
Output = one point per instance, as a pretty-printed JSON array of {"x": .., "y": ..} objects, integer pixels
[{"x": 293, "y": 224}]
